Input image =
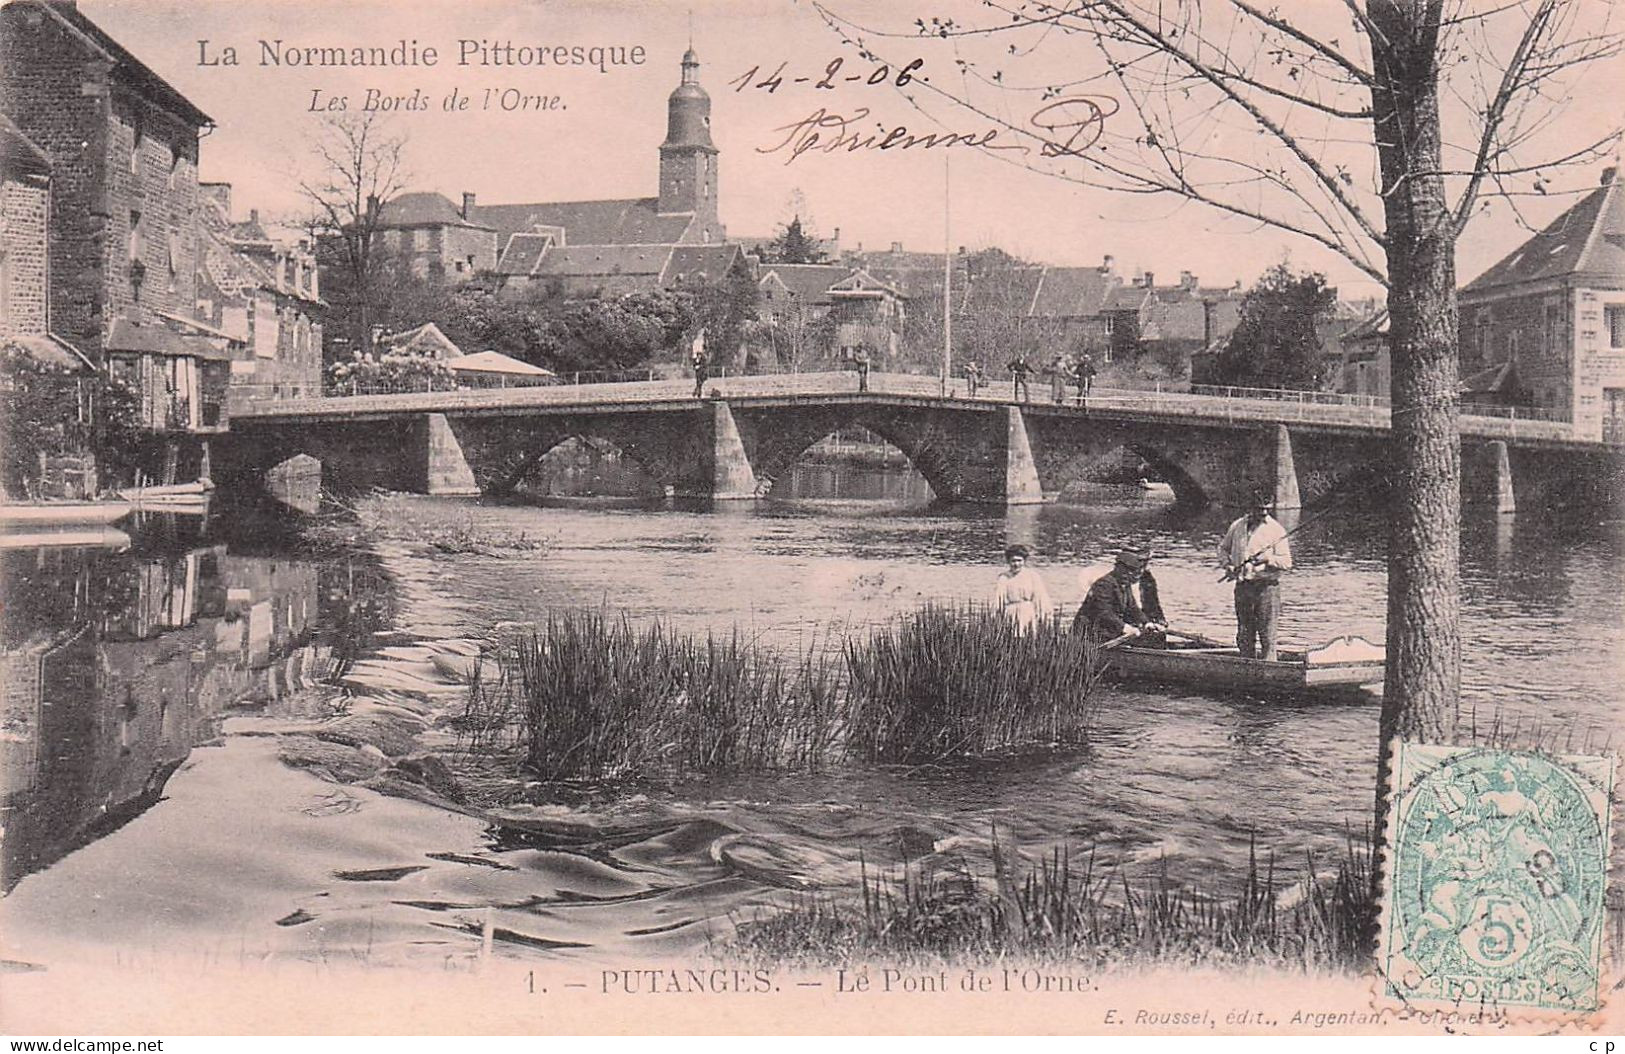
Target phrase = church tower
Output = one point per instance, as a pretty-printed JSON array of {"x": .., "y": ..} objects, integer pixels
[{"x": 688, "y": 158}]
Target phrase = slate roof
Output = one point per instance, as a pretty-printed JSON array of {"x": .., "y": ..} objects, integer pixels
[
  {"x": 698, "y": 263},
  {"x": 522, "y": 253},
  {"x": 128, "y": 335},
  {"x": 1588, "y": 240},
  {"x": 603, "y": 261},
  {"x": 623, "y": 221},
  {"x": 1072, "y": 292},
  {"x": 422, "y": 340},
  {"x": 124, "y": 63},
  {"x": 1128, "y": 298},
  {"x": 1006, "y": 289},
  {"x": 809, "y": 283},
  {"x": 861, "y": 282},
  {"x": 18, "y": 152},
  {"x": 1500, "y": 379},
  {"x": 423, "y": 208}
]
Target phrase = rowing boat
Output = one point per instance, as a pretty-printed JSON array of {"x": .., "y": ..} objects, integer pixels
[{"x": 1345, "y": 663}]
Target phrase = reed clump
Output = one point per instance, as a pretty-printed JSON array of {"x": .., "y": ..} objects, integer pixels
[
  {"x": 586, "y": 695},
  {"x": 957, "y": 681},
  {"x": 589, "y": 696},
  {"x": 1062, "y": 909}
]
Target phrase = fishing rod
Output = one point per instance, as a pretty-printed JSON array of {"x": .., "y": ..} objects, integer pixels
[{"x": 1324, "y": 508}]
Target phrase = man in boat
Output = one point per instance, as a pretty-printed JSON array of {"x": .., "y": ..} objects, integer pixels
[
  {"x": 1254, "y": 554},
  {"x": 1123, "y": 601}
]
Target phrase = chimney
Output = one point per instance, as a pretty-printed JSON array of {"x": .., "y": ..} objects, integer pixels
[
  {"x": 1108, "y": 263},
  {"x": 896, "y": 247},
  {"x": 1187, "y": 280},
  {"x": 835, "y": 239},
  {"x": 468, "y": 204},
  {"x": 1609, "y": 173},
  {"x": 372, "y": 207},
  {"x": 253, "y": 215}
]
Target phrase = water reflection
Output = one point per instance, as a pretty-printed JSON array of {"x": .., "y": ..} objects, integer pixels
[{"x": 115, "y": 665}]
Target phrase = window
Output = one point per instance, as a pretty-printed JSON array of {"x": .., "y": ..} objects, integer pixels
[
  {"x": 135, "y": 235},
  {"x": 137, "y": 132},
  {"x": 1552, "y": 341},
  {"x": 1512, "y": 346},
  {"x": 1615, "y": 318},
  {"x": 1481, "y": 335}
]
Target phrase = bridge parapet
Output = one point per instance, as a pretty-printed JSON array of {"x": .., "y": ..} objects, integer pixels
[{"x": 1310, "y": 408}]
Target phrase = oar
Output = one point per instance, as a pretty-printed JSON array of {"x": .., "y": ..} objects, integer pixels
[
  {"x": 1197, "y": 637},
  {"x": 1115, "y": 641}
]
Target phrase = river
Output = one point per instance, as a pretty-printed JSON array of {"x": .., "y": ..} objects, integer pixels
[{"x": 140, "y": 685}]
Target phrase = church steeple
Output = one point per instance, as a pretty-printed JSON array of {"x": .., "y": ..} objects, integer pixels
[{"x": 688, "y": 157}]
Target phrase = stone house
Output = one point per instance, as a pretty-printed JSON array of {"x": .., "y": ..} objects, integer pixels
[
  {"x": 264, "y": 295},
  {"x": 1545, "y": 326},
  {"x": 123, "y": 148}
]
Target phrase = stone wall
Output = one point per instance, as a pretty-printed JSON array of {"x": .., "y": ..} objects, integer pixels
[{"x": 24, "y": 215}]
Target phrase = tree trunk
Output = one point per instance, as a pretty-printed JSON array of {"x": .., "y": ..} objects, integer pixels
[{"x": 1420, "y": 693}]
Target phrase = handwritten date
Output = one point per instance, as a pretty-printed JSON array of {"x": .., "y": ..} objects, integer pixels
[{"x": 833, "y": 77}]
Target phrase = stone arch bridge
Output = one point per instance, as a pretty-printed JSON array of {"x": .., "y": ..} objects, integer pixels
[{"x": 747, "y": 432}]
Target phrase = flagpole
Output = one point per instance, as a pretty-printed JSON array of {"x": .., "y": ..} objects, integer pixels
[{"x": 947, "y": 279}]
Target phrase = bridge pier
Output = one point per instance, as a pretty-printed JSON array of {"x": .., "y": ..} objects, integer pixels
[
  {"x": 1021, "y": 485},
  {"x": 1285, "y": 472},
  {"x": 446, "y": 469},
  {"x": 1486, "y": 478},
  {"x": 732, "y": 477}
]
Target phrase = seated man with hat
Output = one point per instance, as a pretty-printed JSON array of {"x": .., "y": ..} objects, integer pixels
[{"x": 1125, "y": 601}]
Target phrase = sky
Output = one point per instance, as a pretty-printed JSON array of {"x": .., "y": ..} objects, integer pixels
[{"x": 600, "y": 138}]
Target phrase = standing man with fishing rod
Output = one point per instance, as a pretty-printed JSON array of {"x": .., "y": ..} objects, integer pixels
[{"x": 1254, "y": 553}]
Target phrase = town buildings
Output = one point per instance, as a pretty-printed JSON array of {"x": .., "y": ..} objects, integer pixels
[
  {"x": 1545, "y": 326},
  {"x": 125, "y": 258},
  {"x": 609, "y": 246}
]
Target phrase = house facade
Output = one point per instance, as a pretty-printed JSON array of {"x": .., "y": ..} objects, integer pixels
[
  {"x": 1545, "y": 326},
  {"x": 122, "y": 261},
  {"x": 263, "y": 294}
]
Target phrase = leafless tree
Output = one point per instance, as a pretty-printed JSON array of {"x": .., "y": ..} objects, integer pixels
[
  {"x": 1374, "y": 128},
  {"x": 357, "y": 162}
]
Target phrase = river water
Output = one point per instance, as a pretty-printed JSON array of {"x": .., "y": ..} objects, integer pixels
[{"x": 139, "y": 685}]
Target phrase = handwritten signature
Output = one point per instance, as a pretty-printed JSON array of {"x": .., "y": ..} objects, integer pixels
[{"x": 1070, "y": 125}]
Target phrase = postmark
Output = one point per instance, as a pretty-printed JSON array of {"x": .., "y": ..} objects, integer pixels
[{"x": 1494, "y": 887}]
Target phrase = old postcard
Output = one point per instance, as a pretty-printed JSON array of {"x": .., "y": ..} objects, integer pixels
[{"x": 1095, "y": 516}]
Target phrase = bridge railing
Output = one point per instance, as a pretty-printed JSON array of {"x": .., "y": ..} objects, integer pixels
[{"x": 1239, "y": 404}]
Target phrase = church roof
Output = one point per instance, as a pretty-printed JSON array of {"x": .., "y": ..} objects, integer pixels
[
  {"x": 421, "y": 208},
  {"x": 620, "y": 221},
  {"x": 1588, "y": 239},
  {"x": 522, "y": 253},
  {"x": 603, "y": 261}
]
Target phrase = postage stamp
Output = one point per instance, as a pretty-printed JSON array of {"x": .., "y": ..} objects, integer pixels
[{"x": 1494, "y": 888}]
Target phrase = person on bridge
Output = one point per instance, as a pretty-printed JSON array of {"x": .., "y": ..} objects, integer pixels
[
  {"x": 1254, "y": 553},
  {"x": 860, "y": 362},
  {"x": 1020, "y": 595},
  {"x": 702, "y": 367},
  {"x": 1085, "y": 376},
  {"x": 973, "y": 377},
  {"x": 1125, "y": 601},
  {"x": 1018, "y": 377},
  {"x": 1058, "y": 372}
]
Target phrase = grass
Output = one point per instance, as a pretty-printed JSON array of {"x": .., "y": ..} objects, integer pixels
[
  {"x": 589, "y": 696},
  {"x": 949, "y": 682},
  {"x": 1074, "y": 911}
]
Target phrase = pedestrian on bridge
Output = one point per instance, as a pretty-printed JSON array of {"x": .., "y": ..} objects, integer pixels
[
  {"x": 1254, "y": 553},
  {"x": 1084, "y": 373},
  {"x": 701, "y": 363},
  {"x": 1058, "y": 372},
  {"x": 973, "y": 377},
  {"x": 860, "y": 362},
  {"x": 1018, "y": 377}
]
